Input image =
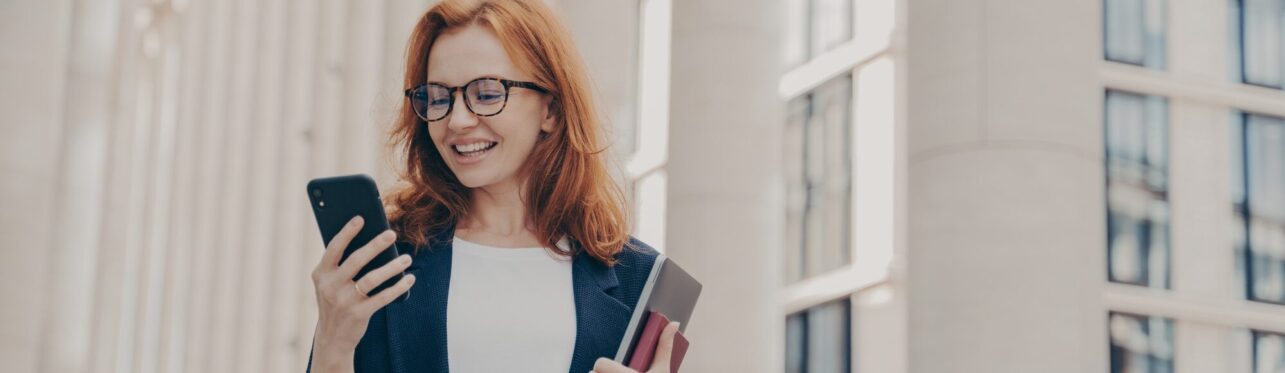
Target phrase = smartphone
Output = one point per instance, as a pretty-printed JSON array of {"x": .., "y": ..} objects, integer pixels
[{"x": 335, "y": 201}]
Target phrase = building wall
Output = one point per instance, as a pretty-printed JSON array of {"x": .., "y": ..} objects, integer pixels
[
  {"x": 1004, "y": 197},
  {"x": 1207, "y": 300}
]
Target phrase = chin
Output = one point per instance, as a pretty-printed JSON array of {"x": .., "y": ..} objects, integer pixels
[
  {"x": 478, "y": 178},
  {"x": 473, "y": 182}
]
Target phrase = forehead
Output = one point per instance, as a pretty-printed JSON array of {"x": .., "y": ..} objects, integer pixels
[{"x": 469, "y": 52}]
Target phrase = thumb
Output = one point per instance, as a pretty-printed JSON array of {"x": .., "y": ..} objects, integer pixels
[
  {"x": 605, "y": 365},
  {"x": 665, "y": 348}
]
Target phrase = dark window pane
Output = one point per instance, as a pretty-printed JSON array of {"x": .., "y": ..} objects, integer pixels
[
  {"x": 1240, "y": 202},
  {"x": 829, "y": 176},
  {"x": 1137, "y": 189},
  {"x": 1140, "y": 344},
  {"x": 813, "y": 27},
  {"x": 818, "y": 340},
  {"x": 1262, "y": 47},
  {"x": 795, "y": 343},
  {"x": 819, "y": 167},
  {"x": 1134, "y": 32},
  {"x": 796, "y": 199},
  {"x": 1262, "y": 211},
  {"x": 1269, "y": 352}
]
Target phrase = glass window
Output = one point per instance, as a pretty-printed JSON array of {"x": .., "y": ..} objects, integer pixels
[
  {"x": 1260, "y": 204},
  {"x": 819, "y": 168},
  {"x": 817, "y": 340},
  {"x": 1137, "y": 189},
  {"x": 1269, "y": 352},
  {"x": 795, "y": 45},
  {"x": 831, "y": 24},
  {"x": 1134, "y": 32},
  {"x": 1262, "y": 46},
  {"x": 1140, "y": 344},
  {"x": 813, "y": 27}
]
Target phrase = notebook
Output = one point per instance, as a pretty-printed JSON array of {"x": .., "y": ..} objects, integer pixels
[
  {"x": 669, "y": 291},
  {"x": 649, "y": 342}
]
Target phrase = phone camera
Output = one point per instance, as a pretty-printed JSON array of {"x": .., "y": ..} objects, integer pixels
[{"x": 316, "y": 196}]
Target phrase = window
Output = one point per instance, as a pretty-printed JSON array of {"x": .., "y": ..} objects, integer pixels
[
  {"x": 1137, "y": 189},
  {"x": 1261, "y": 48},
  {"x": 1260, "y": 205},
  {"x": 648, "y": 154},
  {"x": 1134, "y": 32},
  {"x": 1140, "y": 344},
  {"x": 817, "y": 339},
  {"x": 1269, "y": 352},
  {"x": 819, "y": 171},
  {"x": 814, "y": 27}
]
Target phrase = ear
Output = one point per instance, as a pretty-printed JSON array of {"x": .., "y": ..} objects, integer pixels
[{"x": 550, "y": 115}]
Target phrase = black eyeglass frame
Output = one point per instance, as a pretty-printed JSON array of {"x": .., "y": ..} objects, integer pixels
[{"x": 508, "y": 84}]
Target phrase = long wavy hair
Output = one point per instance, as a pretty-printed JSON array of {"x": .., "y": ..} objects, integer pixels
[{"x": 568, "y": 189}]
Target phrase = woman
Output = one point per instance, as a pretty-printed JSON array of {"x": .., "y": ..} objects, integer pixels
[{"x": 521, "y": 261}]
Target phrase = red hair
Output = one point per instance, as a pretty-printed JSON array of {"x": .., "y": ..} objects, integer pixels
[{"x": 568, "y": 189}]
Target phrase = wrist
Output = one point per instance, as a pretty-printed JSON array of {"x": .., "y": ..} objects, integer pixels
[{"x": 332, "y": 357}]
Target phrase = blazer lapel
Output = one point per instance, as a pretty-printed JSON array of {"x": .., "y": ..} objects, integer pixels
[
  {"x": 417, "y": 326},
  {"x": 601, "y": 319}
]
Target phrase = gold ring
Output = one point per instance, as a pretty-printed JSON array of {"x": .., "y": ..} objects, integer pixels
[{"x": 358, "y": 287}]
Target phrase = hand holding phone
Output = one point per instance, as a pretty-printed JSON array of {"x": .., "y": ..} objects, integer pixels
[
  {"x": 361, "y": 270},
  {"x": 335, "y": 201}
]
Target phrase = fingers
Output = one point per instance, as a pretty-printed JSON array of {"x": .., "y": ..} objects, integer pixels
[
  {"x": 335, "y": 250},
  {"x": 605, "y": 365},
  {"x": 386, "y": 296},
  {"x": 376, "y": 277},
  {"x": 660, "y": 362},
  {"x": 359, "y": 258}
]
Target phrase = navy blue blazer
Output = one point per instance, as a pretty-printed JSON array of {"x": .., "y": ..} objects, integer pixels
[{"x": 410, "y": 336}]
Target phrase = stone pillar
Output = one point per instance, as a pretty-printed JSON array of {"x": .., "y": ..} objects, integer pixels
[
  {"x": 725, "y": 210},
  {"x": 33, "y": 67},
  {"x": 1005, "y": 187}
]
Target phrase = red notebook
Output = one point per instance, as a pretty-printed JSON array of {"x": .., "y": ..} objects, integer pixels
[{"x": 645, "y": 349}]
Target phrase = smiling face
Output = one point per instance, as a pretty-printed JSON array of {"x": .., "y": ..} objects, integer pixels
[{"x": 484, "y": 151}]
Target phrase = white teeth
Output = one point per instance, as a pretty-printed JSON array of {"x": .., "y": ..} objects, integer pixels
[{"x": 469, "y": 148}]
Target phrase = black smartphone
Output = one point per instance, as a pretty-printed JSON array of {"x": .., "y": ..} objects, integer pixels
[{"x": 335, "y": 201}]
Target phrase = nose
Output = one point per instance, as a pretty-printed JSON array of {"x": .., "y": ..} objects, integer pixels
[{"x": 460, "y": 118}]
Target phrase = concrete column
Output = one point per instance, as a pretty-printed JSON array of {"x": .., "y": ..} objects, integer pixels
[
  {"x": 725, "y": 210},
  {"x": 33, "y": 67},
  {"x": 1005, "y": 187},
  {"x": 70, "y": 273}
]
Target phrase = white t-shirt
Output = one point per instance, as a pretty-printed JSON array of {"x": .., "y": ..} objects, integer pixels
[{"x": 509, "y": 310}]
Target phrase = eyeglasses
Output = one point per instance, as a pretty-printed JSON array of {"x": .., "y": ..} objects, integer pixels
[{"x": 483, "y": 96}]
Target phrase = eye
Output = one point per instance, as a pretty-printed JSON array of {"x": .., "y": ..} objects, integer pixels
[{"x": 489, "y": 96}]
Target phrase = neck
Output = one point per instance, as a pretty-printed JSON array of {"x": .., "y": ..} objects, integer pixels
[{"x": 498, "y": 209}]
